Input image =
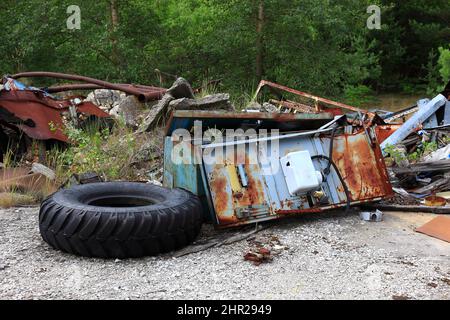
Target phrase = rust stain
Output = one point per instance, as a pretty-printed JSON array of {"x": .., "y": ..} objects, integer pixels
[
  {"x": 384, "y": 131},
  {"x": 218, "y": 186},
  {"x": 359, "y": 167},
  {"x": 254, "y": 193}
]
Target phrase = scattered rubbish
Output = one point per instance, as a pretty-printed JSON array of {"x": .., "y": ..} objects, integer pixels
[
  {"x": 417, "y": 153},
  {"x": 440, "y": 154},
  {"x": 392, "y": 116},
  {"x": 156, "y": 182},
  {"x": 263, "y": 249},
  {"x": 375, "y": 216},
  {"x": 319, "y": 104},
  {"x": 144, "y": 93},
  {"x": 413, "y": 169},
  {"x": 445, "y": 195},
  {"x": 85, "y": 178},
  {"x": 263, "y": 255},
  {"x": 438, "y": 227},
  {"x": 346, "y": 149}
]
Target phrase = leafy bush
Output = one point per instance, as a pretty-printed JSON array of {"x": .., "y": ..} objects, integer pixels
[
  {"x": 358, "y": 95},
  {"x": 444, "y": 63}
]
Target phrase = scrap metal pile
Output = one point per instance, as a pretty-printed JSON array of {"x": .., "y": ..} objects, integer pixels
[
  {"x": 32, "y": 120},
  {"x": 345, "y": 148},
  {"x": 319, "y": 157},
  {"x": 415, "y": 144},
  {"x": 42, "y": 116},
  {"x": 417, "y": 150}
]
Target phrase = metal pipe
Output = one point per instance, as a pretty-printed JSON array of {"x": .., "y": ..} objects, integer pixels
[
  {"x": 307, "y": 95},
  {"x": 91, "y": 86},
  {"x": 426, "y": 109},
  {"x": 143, "y": 96}
]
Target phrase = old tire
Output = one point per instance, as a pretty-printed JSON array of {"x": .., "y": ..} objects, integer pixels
[{"x": 120, "y": 219}]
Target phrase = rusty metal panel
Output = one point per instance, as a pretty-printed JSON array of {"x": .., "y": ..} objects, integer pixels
[
  {"x": 384, "y": 131},
  {"x": 32, "y": 112},
  {"x": 240, "y": 190},
  {"x": 361, "y": 166},
  {"x": 438, "y": 228},
  {"x": 266, "y": 195},
  {"x": 232, "y": 206}
]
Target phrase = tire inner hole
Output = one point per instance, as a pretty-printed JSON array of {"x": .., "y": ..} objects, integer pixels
[{"x": 120, "y": 202}]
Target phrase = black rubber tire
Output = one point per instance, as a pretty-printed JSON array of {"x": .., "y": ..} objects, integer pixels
[{"x": 76, "y": 221}]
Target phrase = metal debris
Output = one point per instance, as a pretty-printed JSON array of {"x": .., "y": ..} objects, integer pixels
[
  {"x": 435, "y": 201},
  {"x": 438, "y": 228},
  {"x": 239, "y": 193},
  {"x": 37, "y": 113},
  {"x": 426, "y": 109},
  {"x": 263, "y": 249},
  {"x": 143, "y": 93},
  {"x": 375, "y": 216}
]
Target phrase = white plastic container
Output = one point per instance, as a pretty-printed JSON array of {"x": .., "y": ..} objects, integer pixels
[{"x": 299, "y": 172}]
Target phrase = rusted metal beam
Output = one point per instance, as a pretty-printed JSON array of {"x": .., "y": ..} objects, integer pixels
[
  {"x": 91, "y": 86},
  {"x": 142, "y": 95},
  {"x": 264, "y": 83}
]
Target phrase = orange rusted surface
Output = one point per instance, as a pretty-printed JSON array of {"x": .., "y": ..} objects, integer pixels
[
  {"x": 219, "y": 187},
  {"x": 384, "y": 131},
  {"x": 254, "y": 194},
  {"x": 226, "y": 201},
  {"x": 358, "y": 160},
  {"x": 361, "y": 167}
]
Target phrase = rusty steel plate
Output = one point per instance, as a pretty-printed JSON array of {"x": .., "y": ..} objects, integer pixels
[
  {"x": 33, "y": 112},
  {"x": 438, "y": 228}
]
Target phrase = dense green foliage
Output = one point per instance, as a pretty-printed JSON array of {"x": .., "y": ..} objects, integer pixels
[{"x": 321, "y": 46}]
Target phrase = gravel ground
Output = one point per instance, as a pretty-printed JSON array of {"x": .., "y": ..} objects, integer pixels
[{"x": 329, "y": 256}]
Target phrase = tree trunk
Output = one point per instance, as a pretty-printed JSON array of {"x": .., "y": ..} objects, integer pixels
[
  {"x": 113, "y": 29},
  {"x": 260, "y": 41}
]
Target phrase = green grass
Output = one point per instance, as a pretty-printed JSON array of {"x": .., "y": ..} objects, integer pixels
[{"x": 107, "y": 152}]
